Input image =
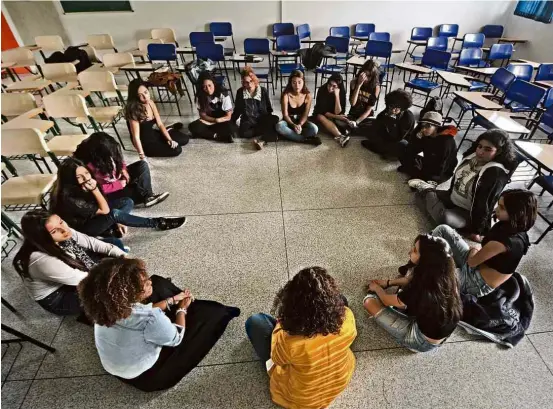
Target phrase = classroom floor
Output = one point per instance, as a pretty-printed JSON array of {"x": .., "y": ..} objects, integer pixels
[{"x": 254, "y": 220}]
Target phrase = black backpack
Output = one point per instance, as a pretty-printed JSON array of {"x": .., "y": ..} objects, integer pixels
[
  {"x": 434, "y": 104},
  {"x": 312, "y": 57},
  {"x": 70, "y": 55}
]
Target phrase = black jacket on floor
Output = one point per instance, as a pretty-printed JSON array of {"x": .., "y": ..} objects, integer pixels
[{"x": 503, "y": 315}]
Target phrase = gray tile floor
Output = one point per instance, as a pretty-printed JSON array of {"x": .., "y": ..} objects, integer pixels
[{"x": 255, "y": 219}]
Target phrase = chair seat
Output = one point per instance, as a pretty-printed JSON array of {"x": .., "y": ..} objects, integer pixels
[
  {"x": 476, "y": 86},
  {"x": 65, "y": 145},
  {"x": 26, "y": 190},
  {"x": 545, "y": 182},
  {"x": 101, "y": 114},
  {"x": 261, "y": 72},
  {"x": 416, "y": 57},
  {"x": 228, "y": 52},
  {"x": 516, "y": 106},
  {"x": 463, "y": 104},
  {"x": 330, "y": 69},
  {"x": 288, "y": 68},
  {"x": 113, "y": 94},
  {"x": 65, "y": 78},
  {"x": 422, "y": 84}
]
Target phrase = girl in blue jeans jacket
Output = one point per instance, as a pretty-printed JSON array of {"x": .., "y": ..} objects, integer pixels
[{"x": 425, "y": 313}]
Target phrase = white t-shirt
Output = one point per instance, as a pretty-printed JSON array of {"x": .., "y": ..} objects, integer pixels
[
  {"x": 217, "y": 104},
  {"x": 466, "y": 176}
]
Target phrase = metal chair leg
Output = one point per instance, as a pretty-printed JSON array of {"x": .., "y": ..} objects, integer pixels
[{"x": 27, "y": 338}]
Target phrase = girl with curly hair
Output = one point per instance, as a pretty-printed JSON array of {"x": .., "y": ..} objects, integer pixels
[
  {"x": 102, "y": 155},
  {"x": 306, "y": 348},
  {"x": 148, "y": 332},
  {"x": 483, "y": 270},
  {"x": 429, "y": 308},
  {"x": 142, "y": 114},
  {"x": 475, "y": 188},
  {"x": 54, "y": 258}
]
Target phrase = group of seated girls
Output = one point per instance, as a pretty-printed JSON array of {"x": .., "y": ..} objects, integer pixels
[{"x": 252, "y": 115}]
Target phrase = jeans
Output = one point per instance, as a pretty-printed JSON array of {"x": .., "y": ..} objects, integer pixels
[
  {"x": 117, "y": 242},
  {"x": 309, "y": 130},
  {"x": 404, "y": 330},
  {"x": 119, "y": 213},
  {"x": 140, "y": 185},
  {"x": 63, "y": 301},
  {"x": 439, "y": 207},
  {"x": 470, "y": 279},
  {"x": 259, "y": 328}
]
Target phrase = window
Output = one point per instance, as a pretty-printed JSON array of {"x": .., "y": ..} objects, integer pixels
[{"x": 535, "y": 10}]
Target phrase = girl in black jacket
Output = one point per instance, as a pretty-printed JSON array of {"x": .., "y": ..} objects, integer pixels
[
  {"x": 253, "y": 107},
  {"x": 477, "y": 183}
]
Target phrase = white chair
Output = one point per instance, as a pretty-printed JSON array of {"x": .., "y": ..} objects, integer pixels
[
  {"x": 19, "y": 104},
  {"x": 63, "y": 72},
  {"x": 101, "y": 42},
  {"x": 143, "y": 47},
  {"x": 167, "y": 35},
  {"x": 21, "y": 58},
  {"x": 103, "y": 84},
  {"x": 50, "y": 44},
  {"x": 114, "y": 61}
]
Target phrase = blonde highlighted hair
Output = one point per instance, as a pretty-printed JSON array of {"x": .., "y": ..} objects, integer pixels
[{"x": 248, "y": 72}]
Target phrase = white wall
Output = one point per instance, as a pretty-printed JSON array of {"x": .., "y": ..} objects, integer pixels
[{"x": 540, "y": 36}]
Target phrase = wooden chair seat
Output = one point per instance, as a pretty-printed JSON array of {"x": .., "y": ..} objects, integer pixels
[
  {"x": 26, "y": 190},
  {"x": 101, "y": 114},
  {"x": 65, "y": 145}
]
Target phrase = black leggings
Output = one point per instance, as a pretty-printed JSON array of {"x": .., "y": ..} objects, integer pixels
[
  {"x": 264, "y": 128},
  {"x": 220, "y": 132},
  {"x": 63, "y": 301},
  {"x": 206, "y": 321}
]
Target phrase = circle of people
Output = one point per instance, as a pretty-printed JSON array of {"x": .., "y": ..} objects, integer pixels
[{"x": 149, "y": 333}]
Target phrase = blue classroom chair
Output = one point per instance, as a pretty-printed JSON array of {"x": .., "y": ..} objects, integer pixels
[
  {"x": 216, "y": 53},
  {"x": 434, "y": 43},
  {"x": 500, "y": 82},
  {"x": 303, "y": 31},
  {"x": 523, "y": 96},
  {"x": 548, "y": 99},
  {"x": 363, "y": 30},
  {"x": 448, "y": 30},
  {"x": 291, "y": 44},
  {"x": 521, "y": 71},
  {"x": 492, "y": 31},
  {"x": 379, "y": 36},
  {"x": 280, "y": 29},
  {"x": 545, "y": 73},
  {"x": 500, "y": 52},
  {"x": 223, "y": 30},
  {"x": 382, "y": 50},
  {"x": 436, "y": 60},
  {"x": 417, "y": 34},
  {"x": 339, "y": 31},
  {"x": 197, "y": 37},
  {"x": 260, "y": 46},
  {"x": 341, "y": 44}
]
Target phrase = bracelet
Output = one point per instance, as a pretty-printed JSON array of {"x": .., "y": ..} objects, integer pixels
[{"x": 183, "y": 310}]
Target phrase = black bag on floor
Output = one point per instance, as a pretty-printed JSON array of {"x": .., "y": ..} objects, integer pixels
[{"x": 434, "y": 104}]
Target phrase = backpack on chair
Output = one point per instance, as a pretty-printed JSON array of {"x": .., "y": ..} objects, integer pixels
[
  {"x": 434, "y": 104},
  {"x": 313, "y": 56}
]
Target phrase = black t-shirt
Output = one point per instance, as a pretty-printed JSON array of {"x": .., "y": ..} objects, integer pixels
[
  {"x": 365, "y": 99},
  {"x": 516, "y": 244},
  {"x": 430, "y": 321},
  {"x": 326, "y": 101}
]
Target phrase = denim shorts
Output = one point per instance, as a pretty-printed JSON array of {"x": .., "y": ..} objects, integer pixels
[
  {"x": 404, "y": 330},
  {"x": 471, "y": 281}
]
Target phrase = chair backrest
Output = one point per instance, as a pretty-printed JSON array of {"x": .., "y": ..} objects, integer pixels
[
  {"x": 548, "y": 99},
  {"x": 521, "y": 71},
  {"x": 59, "y": 105},
  {"x": 547, "y": 117},
  {"x": 221, "y": 29},
  {"x": 59, "y": 69},
  {"x": 303, "y": 31},
  {"x": 379, "y": 36},
  {"x": 437, "y": 43},
  {"x": 364, "y": 29},
  {"x": 17, "y": 103},
  {"x": 436, "y": 59},
  {"x": 502, "y": 79},
  {"x": 340, "y": 43},
  {"x": 380, "y": 49},
  {"x": 101, "y": 41},
  {"x": 258, "y": 46},
  {"x": 288, "y": 43},
  {"x": 50, "y": 43},
  {"x": 339, "y": 31},
  {"x": 143, "y": 43},
  {"x": 215, "y": 52},
  {"x": 492, "y": 31},
  {"x": 92, "y": 54},
  {"x": 28, "y": 141},
  {"x": 525, "y": 93},
  {"x": 282, "y": 29},
  {"x": 117, "y": 59},
  {"x": 166, "y": 34},
  {"x": 470, "y": 57},
  {"x": 17, "y": 55},
  {"x": 198, "y": 37},
  {"x": 448, "y": 30},
  {"x": 545, "y": 72},
  {"x": 421, "y": 33},
  {"x": 500, "y": 52},
  {"x": 97, "y": 81},
  {"x": 162, "y": 52},
  {"x": 473, "y": 40}
]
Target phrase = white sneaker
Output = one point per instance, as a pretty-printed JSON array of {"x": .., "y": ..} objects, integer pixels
[
  {"x": 420, "y": 185},
  {"x": 344, "y": 139}
]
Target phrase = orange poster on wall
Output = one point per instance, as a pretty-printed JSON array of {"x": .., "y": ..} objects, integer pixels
[{"x": 8, "y": 39}]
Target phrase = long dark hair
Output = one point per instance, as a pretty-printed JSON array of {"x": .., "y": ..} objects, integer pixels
[
  {"x": 296, "y": 74},
  {"x": 522, "y": 208},
  {"x": 370, "y": 67},
  {"x": 505, "y": 149},
  {"x": 310, "y": 304},
  {"x": 67, "y": 184},
  {"x": 201, "y": 95},
  {"x": 435, "y": 280},
  {"x": 38, "y": 238},
  {"x": 339, "y": 80},
  {"x": 135, "y": 109},
  {"x": 102, "y": 151}
]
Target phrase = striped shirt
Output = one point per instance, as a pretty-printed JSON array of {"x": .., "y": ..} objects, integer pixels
[{"x": 311, "y": 372}]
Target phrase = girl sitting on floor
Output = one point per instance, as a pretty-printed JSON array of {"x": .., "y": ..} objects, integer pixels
[
  {"x": 78, "y": 199},
  {"x": 102, "y": 155},
  {"x": 215, "y": 108},
  {"x": 142, "y": 114},
  {"x": 296, "y": 104},
  {"x": 254, "y": 109},
  {"x": 429, "y": 308},
  {"x": 477, "y": 183},
  {"x": 306, "y": 348},
  {"x": 483, "y": 270},
  {"x": 331, "y": 105},
  {"x": 54, "y": 258},
  {"x": 148, "y": 332}
]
